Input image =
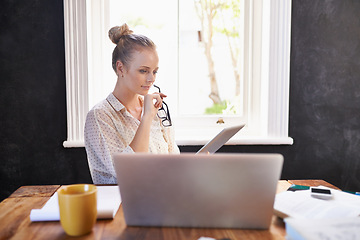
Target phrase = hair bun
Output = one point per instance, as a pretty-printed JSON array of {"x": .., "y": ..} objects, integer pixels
[{"x": 115, "y": 33}]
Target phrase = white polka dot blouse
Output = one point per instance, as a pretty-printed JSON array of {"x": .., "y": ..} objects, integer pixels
[{"x": 109, "y": 129}]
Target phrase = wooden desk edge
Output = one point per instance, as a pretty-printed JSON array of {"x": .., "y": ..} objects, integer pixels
[
  {"x": 35, "y": 191},
  {"x": 49, "y": 190},
  {"x": 313, "y": 183},
  {"x": 40, "y": 190}
]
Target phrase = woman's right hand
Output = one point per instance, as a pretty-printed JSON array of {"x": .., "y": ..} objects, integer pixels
[{"x": 152, "y": 103}]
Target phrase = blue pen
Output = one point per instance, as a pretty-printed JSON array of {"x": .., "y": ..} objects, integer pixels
[{"x": 355, "y": 193}]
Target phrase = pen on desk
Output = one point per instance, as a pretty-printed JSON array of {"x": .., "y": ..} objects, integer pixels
[
  {"x": 355, "y": 193},
  {"x": 295, "y": 187}
]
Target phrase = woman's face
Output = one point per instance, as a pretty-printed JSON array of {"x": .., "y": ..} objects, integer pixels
[{"x": 140, "y": 75}]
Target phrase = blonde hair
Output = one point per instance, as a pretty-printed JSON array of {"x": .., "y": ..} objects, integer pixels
[{"x": 126, "y": 43}]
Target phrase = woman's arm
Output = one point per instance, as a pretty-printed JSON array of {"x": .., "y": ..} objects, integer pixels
[{"x": 140, "y": 143}]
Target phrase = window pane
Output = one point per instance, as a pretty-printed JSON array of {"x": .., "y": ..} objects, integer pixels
[{"x": 210, "y": 50}]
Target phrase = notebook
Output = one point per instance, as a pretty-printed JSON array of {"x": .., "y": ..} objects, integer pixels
[
  {"x": 198, "y": 190},
  {"x": 220, "y": 139}
]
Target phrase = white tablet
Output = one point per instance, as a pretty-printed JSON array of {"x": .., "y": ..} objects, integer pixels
[{"x": 219, "y": 140}]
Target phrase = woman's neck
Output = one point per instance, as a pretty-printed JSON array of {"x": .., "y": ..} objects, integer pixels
[{"x": 130, "y": 100}]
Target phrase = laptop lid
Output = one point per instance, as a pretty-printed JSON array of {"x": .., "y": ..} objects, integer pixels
[
  {"x": 189, "y": 190},
  {"x": 220, "y": 139}
]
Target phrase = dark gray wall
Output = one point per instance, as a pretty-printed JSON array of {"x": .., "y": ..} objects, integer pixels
[
  {"x": 325, "y": 91},
  {"x": 32, "y": 98},
  {"x": 324, "y": 96}
]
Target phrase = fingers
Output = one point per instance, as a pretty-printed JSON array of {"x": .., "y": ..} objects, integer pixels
[
  {"x": 162, "y": 95},
  {"x": 159, "y": 100},
  {"x": 155, "y": 99}
]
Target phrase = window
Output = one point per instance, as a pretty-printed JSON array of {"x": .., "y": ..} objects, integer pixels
[{"x": 263, "y": 67}]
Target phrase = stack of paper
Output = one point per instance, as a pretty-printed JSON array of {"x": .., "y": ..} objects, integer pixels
[
  {"x": 308, "y": 216},
  {"x": 108, "y": 202},
  {"x": 300, "y": 204},
  {"x": 325, "y": 229}
]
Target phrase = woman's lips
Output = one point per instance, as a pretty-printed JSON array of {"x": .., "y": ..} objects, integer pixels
[{"x": 146, "y": 87}]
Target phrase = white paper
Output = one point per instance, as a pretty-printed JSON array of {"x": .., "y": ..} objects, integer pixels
[
  {"x": 301, "y": 205},
  {"x": 324, "y": 229},
  {"x": 108, "y": 202}
]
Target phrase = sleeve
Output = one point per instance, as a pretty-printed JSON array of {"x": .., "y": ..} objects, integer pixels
[{"x": 102, "y": 140}]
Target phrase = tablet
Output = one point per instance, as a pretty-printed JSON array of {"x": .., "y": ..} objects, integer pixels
[{"x": 219, "y": 140}]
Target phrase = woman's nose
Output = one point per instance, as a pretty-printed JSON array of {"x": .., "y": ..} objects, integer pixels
[{"x": 151, "y": 77}]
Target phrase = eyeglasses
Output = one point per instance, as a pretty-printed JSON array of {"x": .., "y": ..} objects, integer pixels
[{"x": 164, "y": 113}]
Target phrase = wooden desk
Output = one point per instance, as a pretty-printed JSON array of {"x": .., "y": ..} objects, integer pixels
[{"x": 15, "y": 221}]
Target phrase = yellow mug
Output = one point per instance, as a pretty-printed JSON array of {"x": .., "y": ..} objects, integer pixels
[{"x": 78, "y": 208}]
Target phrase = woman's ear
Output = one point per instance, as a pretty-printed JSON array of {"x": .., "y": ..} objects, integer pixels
[{"x": 120, "y": 68}]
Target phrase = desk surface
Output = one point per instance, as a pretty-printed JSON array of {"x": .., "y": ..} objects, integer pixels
[{"x": 15, "y": 221}]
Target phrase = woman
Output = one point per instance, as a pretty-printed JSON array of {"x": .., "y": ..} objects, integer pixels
[{"x": 127, "y": 120}]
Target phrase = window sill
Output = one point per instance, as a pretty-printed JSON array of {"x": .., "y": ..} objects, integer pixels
[
  {"x": 241, "y": 141},
  {"x": 73, "y": 144},
  {"x": 195, "y": 142}
]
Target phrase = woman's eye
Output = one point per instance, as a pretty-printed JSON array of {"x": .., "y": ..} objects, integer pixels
[
  {"x": 155, "y": 72},
  {"x": 143, "y": 71}
]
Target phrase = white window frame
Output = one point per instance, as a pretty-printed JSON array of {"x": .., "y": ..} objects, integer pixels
[{"x": 269, "y": 63}]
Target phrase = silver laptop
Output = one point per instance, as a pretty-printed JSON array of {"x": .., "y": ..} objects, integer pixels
[
  {"x": 198, "y": 190},
  {"x": 220, "y": 139}
]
